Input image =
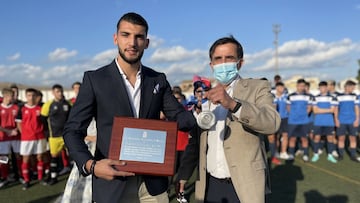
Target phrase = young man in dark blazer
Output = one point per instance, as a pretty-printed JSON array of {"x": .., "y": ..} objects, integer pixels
[{"x": 123, "y": 88}]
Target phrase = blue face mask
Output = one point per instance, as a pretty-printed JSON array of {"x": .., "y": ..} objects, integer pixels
[{"x": 225, "y": 73}]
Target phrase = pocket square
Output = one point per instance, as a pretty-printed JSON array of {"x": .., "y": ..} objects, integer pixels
[{"x": 156, "y": 89}]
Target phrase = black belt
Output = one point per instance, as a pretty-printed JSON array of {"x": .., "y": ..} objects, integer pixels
[{"x": 223, "y": 180}]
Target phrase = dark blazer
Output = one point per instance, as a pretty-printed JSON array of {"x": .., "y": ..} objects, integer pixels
[{"x": 103, "y": 95}]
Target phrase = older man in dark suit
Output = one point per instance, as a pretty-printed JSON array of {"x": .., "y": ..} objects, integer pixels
[{"x": 123, "y": 88}]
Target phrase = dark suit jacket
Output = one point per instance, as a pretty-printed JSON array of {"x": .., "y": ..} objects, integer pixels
[{"x": 103, "y": 95}]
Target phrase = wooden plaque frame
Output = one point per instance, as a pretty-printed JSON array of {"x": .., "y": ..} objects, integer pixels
[{"x": 146, "y": 168}]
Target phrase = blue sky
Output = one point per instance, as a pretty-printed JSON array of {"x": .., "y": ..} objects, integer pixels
[{"x": 44, "y": 42}]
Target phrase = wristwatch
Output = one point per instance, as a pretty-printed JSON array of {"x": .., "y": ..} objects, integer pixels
[{"x": 236, "y": 108}]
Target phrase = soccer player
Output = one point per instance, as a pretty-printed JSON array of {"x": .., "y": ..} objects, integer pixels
[
  {"x": 299, "y": 107},
  {"x": 347, "y": 120},
  {"x": 280, "y": 101},
  {"x": 56, "y": 111},
  {"x": 9, "y": 135},
  {"x": 324, "y": 106},
  {"x": 33, "y": 141}
]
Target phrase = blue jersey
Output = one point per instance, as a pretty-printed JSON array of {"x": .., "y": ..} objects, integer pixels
[
  {"x": 324, "y": 102},
  {"x": 298, "y": 108},
  {"x": 281, "y": 103},
  {"x": 346, "y": 105}
]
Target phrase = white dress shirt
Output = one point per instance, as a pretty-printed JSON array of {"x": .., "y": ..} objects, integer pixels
[
  {"x": 134, "y": 93},
  {"x": 216, "y": 162}
]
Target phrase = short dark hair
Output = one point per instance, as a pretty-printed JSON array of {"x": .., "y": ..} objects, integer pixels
[
  {"x": 14, "y": 86},
  {"x": 75, "y": 83},
  {"x": 350, "y": 83},
  {"x": 277, "y": 77},
  {"x": 177, "y": 90},
  {"x": 225, "y": 40},
  {"x": 33, "y": 90},
  {"x": 301, "y": 81},
  {"x": 57, "y": 86},
  {"x": 279, "y": 84},
  {"x": 133, "y": 18},
  {"x": 323, "y": 83}
]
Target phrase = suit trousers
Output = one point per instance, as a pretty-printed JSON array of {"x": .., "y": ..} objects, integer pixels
[
  {"x": 220, "y": 191},
  {"x": 136, "y": 192}
]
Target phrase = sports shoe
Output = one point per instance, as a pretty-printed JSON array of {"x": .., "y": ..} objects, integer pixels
[
  {"x": 305, "y": 158},
  {"x": 275, "y": 161},
  {"x": 299, "y": 152},
  {"x": 22, "y": 181},
  {"x": 181, "y": 198},
  {"x": 285, "y": 156},
  {"x": 315, "y": 158},
  {"x": 355, "y": 159},
  {"x": 331, "y": 159},
  {"x": 64, "y": 171},
  {"x": 335, "y": 154},
  {"x": 340, "y": 158},
  {"x": 26, "y": 186},
  {"x": 52, "y": 181},
  {"x": 3, "y": 183},
  {"x": 320, "y": 151}
]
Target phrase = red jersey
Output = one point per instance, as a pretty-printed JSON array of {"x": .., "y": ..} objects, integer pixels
[
  {"x": 32, "y": 127},
  {"x": 7, "y": 120}
]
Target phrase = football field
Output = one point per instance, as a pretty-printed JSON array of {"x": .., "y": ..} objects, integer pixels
[{"x": 297, "y": 182}]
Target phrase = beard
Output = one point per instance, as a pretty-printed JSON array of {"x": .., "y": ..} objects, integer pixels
[{"x": 130, "y": 61}]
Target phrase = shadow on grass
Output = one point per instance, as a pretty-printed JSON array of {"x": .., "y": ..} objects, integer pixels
[
  {"x": 284, "y": 183},
  {"x": 315, "y": 196},
  {"x": 51, "y": 198}
]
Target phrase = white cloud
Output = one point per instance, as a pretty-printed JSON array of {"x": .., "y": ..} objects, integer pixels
[
  {"x": 104, "y": 57},
  {"x": 155, "y": 41},
  {"x": 306, "y": 56},
  {"x": 14, "y": 57},
  {"x": 61, "y": 54},
  {"x": 308, "y": 53},
  {"x": 176, "y": 53}
]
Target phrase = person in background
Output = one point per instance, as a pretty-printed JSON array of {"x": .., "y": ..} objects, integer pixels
[
  {"x": 9, "y": 134},
  {"x": 16, "y": 99},
  {"x": 324, "y": 106},
  {"x": 347, "y": 120},
  {"x": 280, "y": 101},
  {"x": 78, "y": 188},
  {"x": 33, "y": 140},
  {"x": 299, "y": 107},
  {"x": 56, "y": 112},
  {"x": 332, "y": 90},
  {"x": 75, "y": 87}
]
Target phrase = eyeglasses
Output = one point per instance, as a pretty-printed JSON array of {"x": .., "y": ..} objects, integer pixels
[{"x": 199, "y": 91}]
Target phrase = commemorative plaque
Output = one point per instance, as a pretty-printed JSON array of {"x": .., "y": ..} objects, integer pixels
[{"x": 147, "y": 146}]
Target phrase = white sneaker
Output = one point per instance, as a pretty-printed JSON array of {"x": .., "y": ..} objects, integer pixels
[
  {"x": 181, "y": 198},
  {"x": 284, "y": 155},
  {"x": 320, "y": 151},
  {"x": 335, "y": 154},
  {"x": 299, "y": 152},
  {"x": 305, "y": 158}
]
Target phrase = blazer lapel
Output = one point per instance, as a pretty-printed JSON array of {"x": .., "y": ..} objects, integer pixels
[
  {"x": 148, "y": 89},
  {"x": 120, "y": 95}
]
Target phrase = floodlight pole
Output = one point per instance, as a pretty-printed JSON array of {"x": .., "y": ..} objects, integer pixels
[{"x": 276, "y": 30}]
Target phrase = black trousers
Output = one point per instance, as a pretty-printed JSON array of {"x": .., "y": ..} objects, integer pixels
[{"x": 220, "y": 191}]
